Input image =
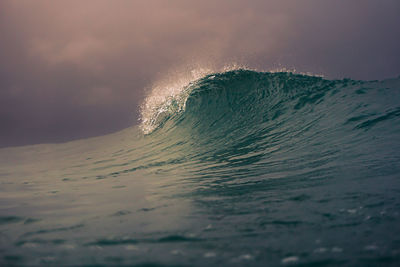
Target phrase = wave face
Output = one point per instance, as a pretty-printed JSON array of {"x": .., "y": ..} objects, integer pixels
[
  {"x": 234, "y": 168},
  {"x": 243, "y": 113}
]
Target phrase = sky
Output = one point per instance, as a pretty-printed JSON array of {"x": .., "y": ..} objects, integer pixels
[{"x": 80, "y": 68}]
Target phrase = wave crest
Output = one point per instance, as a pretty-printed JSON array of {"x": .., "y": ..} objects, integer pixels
[{"x": 234, "y": 95}]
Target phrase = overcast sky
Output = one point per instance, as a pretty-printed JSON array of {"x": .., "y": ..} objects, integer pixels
[{"x": 73, "y": 69}]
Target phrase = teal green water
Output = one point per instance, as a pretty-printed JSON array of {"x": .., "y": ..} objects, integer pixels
[{"x": 240, "y": 168}]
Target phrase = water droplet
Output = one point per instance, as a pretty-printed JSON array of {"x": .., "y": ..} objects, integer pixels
[
  {"x": 289, "y": 260},
  {"x": 337, "y": 250},
  {"x": 209, "y": 255},
  {"x": 246, "y": 257}
]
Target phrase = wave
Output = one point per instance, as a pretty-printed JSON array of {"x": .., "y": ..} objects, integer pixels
[
  {"x": 230, "y": 166},
  {"x": 272, "y": 124},
  {"x": 237, "y": 101}
]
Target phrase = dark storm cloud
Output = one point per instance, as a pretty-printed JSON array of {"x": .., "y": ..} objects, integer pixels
[{"x": 70, "y": 69}]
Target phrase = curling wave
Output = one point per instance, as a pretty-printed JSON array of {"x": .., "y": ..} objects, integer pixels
[{"x": 265, "y": 107}]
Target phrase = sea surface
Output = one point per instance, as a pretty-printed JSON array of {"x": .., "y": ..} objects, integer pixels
[{"x": 236, "y": 168}]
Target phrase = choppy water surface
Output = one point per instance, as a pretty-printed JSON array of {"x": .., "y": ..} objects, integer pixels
[{"x": 240, "y": 168}]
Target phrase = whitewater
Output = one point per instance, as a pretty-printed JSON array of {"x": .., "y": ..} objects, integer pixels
[{"x": 232, "y": 168}]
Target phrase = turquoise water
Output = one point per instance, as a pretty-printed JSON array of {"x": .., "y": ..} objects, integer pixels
[{"x": 239, "y": 168}]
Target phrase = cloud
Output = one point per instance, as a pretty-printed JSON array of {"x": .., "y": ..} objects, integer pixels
[{"x": 82, "y": 53}]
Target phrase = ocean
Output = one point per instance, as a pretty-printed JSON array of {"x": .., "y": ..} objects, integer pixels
[{"x": 234, "y": 168}]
